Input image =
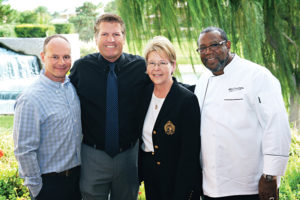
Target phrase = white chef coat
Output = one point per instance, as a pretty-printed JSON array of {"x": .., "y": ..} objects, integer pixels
[{"x": 244, "y": 128}]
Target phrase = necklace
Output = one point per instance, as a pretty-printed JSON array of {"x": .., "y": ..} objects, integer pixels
[{"x": 157, "y": 102}]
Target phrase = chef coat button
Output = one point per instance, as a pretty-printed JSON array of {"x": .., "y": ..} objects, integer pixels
[
  {"x": 158, "y": 163},
  {"x": 156, "y": 147}
]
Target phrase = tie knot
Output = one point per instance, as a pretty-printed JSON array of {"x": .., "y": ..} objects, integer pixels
[{"x": 112, "y": 66}]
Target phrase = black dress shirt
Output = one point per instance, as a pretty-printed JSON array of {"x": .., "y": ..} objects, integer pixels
[{"x": 89, "y": 75}]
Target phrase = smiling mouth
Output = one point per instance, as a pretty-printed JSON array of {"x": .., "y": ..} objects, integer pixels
[
  {"x": 110, "y": 47},
  {"x": 156, "y": 75}
]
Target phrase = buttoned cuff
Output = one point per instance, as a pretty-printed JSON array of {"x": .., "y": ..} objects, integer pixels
[
  {"x": 275, "y": 165},
  {"x": 35, "y": 189},
  {"x": 34, "y": 184}
]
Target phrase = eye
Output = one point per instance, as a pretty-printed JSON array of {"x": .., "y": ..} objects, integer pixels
[
  {"x": 202, "y": 48},
  {"x": 163, "y": 63},
  {"x": 214, "y": 45},
  {"x": 104, "y": 34},
  {"x": 67, "y": 57},
  {"x": 117, "y": 34},
  {"x": 55, "y": 57}
]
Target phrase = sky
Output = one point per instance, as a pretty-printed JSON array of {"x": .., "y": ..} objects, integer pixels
[{"x": 52, "y": 5}]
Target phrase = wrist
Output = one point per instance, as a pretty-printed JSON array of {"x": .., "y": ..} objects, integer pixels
[{"x": 269, "y": 177}]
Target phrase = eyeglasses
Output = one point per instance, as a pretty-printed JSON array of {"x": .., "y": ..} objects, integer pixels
[
  {"x": 153, "y": 64},
  {"x": 212, "y": 47}
]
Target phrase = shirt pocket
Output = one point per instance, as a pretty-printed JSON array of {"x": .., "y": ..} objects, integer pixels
[{"x": 235, "y": 106}]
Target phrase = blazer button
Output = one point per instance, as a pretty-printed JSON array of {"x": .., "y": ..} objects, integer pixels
[
  {"x": 154, "y": 132},
  {"x": 152, "y": 153},
  {"x": 156, "y": 147},
  {"x": 158, "y": 163}
]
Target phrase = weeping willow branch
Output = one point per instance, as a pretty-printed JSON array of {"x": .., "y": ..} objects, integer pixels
[
  {"x": 254, "y": 27},
  {"x": 296, "y": 48}
]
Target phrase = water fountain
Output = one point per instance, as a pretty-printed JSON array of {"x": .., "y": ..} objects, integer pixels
[{"x": 17, "y": 71}]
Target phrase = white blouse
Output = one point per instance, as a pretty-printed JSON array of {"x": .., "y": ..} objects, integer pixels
[{"x": 150, "y": 119}]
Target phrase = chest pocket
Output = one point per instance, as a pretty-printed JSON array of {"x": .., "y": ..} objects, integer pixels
[{"x": 235, "y": 96}]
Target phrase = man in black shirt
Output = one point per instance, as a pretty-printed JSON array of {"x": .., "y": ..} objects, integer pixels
[{"x": 102, "y": 172}]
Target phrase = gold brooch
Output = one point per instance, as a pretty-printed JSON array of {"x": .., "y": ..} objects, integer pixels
[{"x": 169, "y": 128}]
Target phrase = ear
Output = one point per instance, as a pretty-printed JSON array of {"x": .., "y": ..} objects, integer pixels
[
  {"x": 173, "y": 67},
  {"x": 42, "y": 56},
  {"x": 228, "y": 44}
]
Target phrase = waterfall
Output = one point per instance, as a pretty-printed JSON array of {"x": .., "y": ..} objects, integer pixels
[{"x": 17, "y": 71}]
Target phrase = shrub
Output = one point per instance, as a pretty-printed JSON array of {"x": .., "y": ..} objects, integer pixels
[
  {"x": 31, "y": 30},
  {"x": 11, "y": 185},
  {"x": 7, "y": 31},
  {"x": 63, "y": 28}
]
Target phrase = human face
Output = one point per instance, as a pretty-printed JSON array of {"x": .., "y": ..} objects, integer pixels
[
  {"x": 214, "y": 58},
  {"x": 57, "y": 59},
  {"x": 110, "y": 40},
  {"x": 160, "y": 75}
]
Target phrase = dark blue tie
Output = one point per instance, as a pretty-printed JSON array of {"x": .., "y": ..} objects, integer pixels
[{"x": 112, "y": 117}]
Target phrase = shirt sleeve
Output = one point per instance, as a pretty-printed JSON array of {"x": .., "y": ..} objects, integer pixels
[
  {"x": 273, "y": 118},
  {"x": 26, "y": 134}
]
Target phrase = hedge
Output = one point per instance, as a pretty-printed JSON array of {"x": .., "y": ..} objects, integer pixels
[
  {"x": 32, "y": 30},
  {"x": 63, "y": 28}
]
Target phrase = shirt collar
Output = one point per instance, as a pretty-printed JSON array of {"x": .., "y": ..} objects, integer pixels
[
  {"x": 231, "y": 66},
  {"x": 51, "y": 83}
]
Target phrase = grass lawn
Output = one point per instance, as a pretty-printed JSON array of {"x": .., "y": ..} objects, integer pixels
[
  {"x": 6, "y": 122},
  {"x": 11, "y": 185}
]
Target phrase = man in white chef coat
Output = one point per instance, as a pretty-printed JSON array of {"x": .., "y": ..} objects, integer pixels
[{"x": 245, "y": 133}]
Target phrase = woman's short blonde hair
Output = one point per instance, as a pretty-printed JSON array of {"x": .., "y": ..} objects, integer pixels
[{"x": 161, "y": 44}]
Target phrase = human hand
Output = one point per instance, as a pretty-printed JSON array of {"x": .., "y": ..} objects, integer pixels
[{"x": 267, "y": 189}]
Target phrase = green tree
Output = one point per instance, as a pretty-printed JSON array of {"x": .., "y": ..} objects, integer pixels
[
  {"x": 43, "y": 16},
  {"x": 28, "y": 17},
  {"x": 263, "y": 31},
  {"x": 111, "y": 7},
  {"x": 84, "y": 20},
  {"x": 7, "y": 15}
]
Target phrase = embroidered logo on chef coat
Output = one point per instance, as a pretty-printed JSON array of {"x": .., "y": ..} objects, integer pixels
[
  {"x": 235, "y": 94},
  {"x": 235, "y": 89},
  {"x": 169, "y": 128}
]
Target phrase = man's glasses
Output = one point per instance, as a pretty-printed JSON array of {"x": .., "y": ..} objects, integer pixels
[
  {"x": 212, "y": 47},
  {"x": 153, "y": 64}
]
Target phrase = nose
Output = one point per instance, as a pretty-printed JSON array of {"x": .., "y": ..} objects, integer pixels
[
  {"x": 61, "y": 61},
  {"x": 206, "y": 50},
  {"x": 156, "y": 66},
  {"x": 111, "y": 38}
]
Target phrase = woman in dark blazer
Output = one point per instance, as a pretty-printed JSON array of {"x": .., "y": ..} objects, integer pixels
[{"x": 170, "y": 147}]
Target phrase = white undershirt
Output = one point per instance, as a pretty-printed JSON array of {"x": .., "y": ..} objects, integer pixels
[{"x": 151, "y": 116}]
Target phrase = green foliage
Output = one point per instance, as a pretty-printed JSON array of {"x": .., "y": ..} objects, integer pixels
[
  {"x": 30, "y": 30},
  {"x": 6, "y": 122},
  {"x": 84, "y": 20},
  {"x": 7, "y": 15},
  {"x": 11, "y": 186},
  {"x": 290, "y": 183},
  {"x": 263, "y": 31},
  {"x": 111, "y": 7},
  {"x": 28, "y": 17},
  {"x": 43, "y": 16},
  {"x": 63, "y": 28},
  {"x": 7, "y": 30},
  {"x": 87, "y": 48}
]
